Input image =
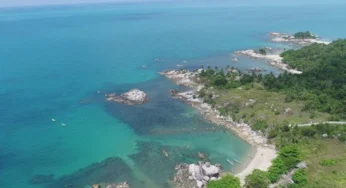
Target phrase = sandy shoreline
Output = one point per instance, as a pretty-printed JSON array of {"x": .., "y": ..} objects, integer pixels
[
  {"x": 273, "y": 59},
  {"x": 265, "y": 152},
  {"x": 261, "y": 160}
]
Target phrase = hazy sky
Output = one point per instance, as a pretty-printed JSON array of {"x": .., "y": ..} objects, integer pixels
[
  {"x": 6, "y": 3},
  {"x": 10, "y": 3}
]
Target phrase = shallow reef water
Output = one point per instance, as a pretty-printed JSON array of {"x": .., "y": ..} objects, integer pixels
[{"x": 58, "y": 62}]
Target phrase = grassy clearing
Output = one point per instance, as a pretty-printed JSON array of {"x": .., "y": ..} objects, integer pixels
[
  {"x": 269, "y": 106},
  {"x": 317, "y": 153}
]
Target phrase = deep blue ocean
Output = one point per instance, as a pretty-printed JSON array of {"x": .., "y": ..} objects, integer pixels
[{"x": 58, "y": 62}]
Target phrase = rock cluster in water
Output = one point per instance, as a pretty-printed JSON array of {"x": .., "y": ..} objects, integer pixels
[
  {"x": 119, "y": 185},
  {"x": 192, "y": 175},
  {"x": 132, "y": 97}
]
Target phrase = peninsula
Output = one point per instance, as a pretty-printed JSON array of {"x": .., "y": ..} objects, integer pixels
[{"x": 289, "y": 118}]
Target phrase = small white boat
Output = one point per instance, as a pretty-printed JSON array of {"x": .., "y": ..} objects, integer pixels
[
  {"x": 236, "y": 161},
  {"x": 53, "y": 120},
  {"x": 230, "y": 162},
  {"x": 63, "y": 124}
]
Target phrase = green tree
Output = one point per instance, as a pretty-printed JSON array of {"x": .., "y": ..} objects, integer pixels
[
  {"x": 227, "y": 181},
  {"x": 290, "y": 156},
  {"x": 276, "y": 170},
  {"x": 257, "y": 179},
  {"x": 262, "y": 51},
  {"x": 304, "y": 35}
]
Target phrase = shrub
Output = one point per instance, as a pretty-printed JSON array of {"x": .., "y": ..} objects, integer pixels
[
  {"x": 235, "y": 110},
  {"x": 342, "y": 138},
  {"x": 276, "y": 170},
  {"x": 262, "y": 51},
  {"x": 201, "y": 93},
  {"x": 260, "y": 125},
  {"x": 328, "y": 162},
  {"x": 227, "y": 181},
  {"x": 210, "y": 96},
  {"x": 257, "y": 179},
  {"x": 308, "y": 131},
  {"x": 220, "y": 81},
  {"x": 299, "y": 177},
  {"x": 272, "y": 133}
]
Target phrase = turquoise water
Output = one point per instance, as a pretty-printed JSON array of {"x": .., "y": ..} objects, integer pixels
[{"x": 58, "y": 62}]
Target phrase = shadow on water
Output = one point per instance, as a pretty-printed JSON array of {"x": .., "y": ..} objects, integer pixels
[
  {"x": 151, "y": 160},
  {"x": 110, "y": 170},
  {"x": 158, "y": 161}
]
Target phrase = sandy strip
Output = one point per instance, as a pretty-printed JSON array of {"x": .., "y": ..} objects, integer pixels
[
  {"x": 274, "y": 60},
  {"x": 261, "y": 160}
]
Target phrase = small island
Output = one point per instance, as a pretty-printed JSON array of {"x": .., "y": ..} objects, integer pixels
[
  {"x": 132, "y": 97},
  {"x": 300, "y": 38}
]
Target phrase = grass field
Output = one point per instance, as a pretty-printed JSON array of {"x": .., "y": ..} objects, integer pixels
[
  {"x": 268, "y": 106},
  {"x": 326, "y": 160}
]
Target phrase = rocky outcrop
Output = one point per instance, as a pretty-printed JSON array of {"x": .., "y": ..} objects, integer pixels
[
  {"x": 288, "y": 111},
  {"x": 183, "y": 77},
  {"x": 120, "y": 185},
  {"x": 132, "y": 97},
  {"x": 192, "y": 175}
]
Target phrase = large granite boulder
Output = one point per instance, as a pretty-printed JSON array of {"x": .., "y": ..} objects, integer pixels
[
  {"x": 132, "y": 97},
  {"x": 194, "y": 175}
]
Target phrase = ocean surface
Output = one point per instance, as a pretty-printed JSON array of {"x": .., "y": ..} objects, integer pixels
[{"x": 58, "y": 63}]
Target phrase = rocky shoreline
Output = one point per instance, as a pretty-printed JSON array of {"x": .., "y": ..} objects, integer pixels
[
  {"x": 243, "y": 130},
  {"x": 265, "y": 152}
]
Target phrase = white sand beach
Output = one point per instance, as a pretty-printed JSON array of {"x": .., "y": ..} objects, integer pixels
[{"x": 261, "y": 160}]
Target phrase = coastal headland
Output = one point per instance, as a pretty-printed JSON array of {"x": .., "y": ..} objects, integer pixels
[
  {"x": 265, "y": 152},
  {"x": 268, "y": 111}
]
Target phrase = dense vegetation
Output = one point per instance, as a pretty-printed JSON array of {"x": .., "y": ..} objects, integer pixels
[
  {"x": 304, "y": 35},
  {"x": 322, "y": 86},
  {"x": 258, "y": 179},
  {"x": 300, "y": 179},
  {"x": 227, "y": 181}
]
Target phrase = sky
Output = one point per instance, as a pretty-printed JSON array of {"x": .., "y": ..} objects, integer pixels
[
  {"x": 11, "y": 3},
  {"x": 15, "y": 3}
]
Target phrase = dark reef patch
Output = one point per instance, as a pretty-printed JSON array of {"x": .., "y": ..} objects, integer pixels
[
  {"x": 158, "y": 161},
  {"x": 110, "y": 170},
  {"x": 41, "y": 179}
]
